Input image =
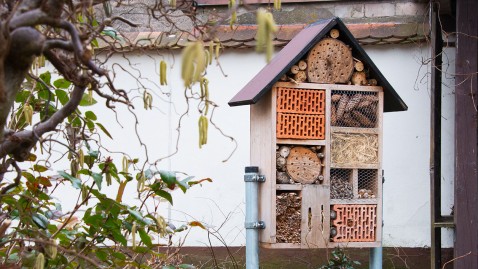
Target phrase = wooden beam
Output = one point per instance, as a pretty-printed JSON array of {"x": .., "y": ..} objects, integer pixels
[{"x": 466, "y": 136}]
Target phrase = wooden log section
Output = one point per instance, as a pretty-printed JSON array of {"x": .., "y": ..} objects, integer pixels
[
  {"x": 303, "y": 165},
  {"x": 301, "y": 76},
  {"x": 359, "y": 78},
  {"x": 302, "y": 65},
  {"x": 330, "y": 61},
  {"x": 359, "y": 66},
  {"x": 334, "y": 33}
]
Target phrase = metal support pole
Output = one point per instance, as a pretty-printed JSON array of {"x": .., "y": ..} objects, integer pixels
[
  {"x": 252, "y": 223},
  {"x": 376, "y": 254},
  {"x": 376, "y": 257}
]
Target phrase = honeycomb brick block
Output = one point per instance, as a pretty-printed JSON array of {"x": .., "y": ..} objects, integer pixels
[
  {"x": 355, "y": 223},
  {"x": 301, "y": 101},
  {"x": 299, "y": 126}
]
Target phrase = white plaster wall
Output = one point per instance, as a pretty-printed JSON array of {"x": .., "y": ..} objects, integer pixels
[
  {"x": 407, "y": 147},
  {"x": 220, "y": 204}
]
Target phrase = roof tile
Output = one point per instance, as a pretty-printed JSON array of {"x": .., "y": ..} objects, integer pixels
[
  {"x": 183, "y": 40},
  {"x": 287, "y": 32},
  {"x": 167, "y": 40},
  {"x": 382, "y": 30},
  {"x": 243, "y": 36},
  {"x": 224, "y": 33},
  {"x": 245, "y": 33},
  {"x": 360, "y": 30},
  {"x": 146, "y": 38}
]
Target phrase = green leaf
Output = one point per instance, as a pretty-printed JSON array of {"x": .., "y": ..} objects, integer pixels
[
  {"x": 94, "y": 220},
  {"x": 28, "y": 176},
  {"x": 87, "y": 101},
  {"x": 118, "y": 236},
  {"x": 62, "y": 96},
  {"x": 22, "y": 96},
  {"x": 90, "y": 125},
  {"x": 168, "y": 177},
  {"x": 119, "y": 256},
  {"x": 89, "y": 160},
  {"x": 168, "y": 267},
  {"x": 101, "y": 254},
  {"x": 104, "y": 129},
  {"x": 40, "y": 220},
  {"x": 75, "y": 182},
  {"x": 186, "y": 266},
  {"x": 142, "y": 250},
  {"x": 166, "y": 195},
  {"x": 90, "y": 115},
  {"x": 93, "y": 153},
  {"x": 46, "y": 77},
  {"x": 50, "y": 111},
  {"x": 137, "y": 216},
  {"x": 62, "y": 83},
  {"x": 39, "y": 168},
  {"x": 94, "y": 43},
  {"x": 145, "y": 237},
  {"x": 183, "y": 184},
  {"x": 45, "y": 94},
  {"x": 98, "y": 178}
]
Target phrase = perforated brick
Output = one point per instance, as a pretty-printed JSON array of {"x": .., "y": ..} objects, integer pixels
[
  {"x": 355, "y": 223},
  {"x": 301, "y": 101},
  {"x": 300, "y": 126}
]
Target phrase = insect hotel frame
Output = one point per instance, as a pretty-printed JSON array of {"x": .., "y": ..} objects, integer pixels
[{"x": 316, "y": 134}]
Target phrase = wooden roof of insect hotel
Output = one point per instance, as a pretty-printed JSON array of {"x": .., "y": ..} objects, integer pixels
[{"x": 297, "y": 49}]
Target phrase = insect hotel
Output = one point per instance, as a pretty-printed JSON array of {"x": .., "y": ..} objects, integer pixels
[{"x": 316, "y": 135}]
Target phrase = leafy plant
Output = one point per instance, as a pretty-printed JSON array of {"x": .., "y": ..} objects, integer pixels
[{"x": 340, "y": 260}]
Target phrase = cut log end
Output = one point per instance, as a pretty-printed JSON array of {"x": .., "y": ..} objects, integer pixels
[
  {"x": 301, "y": 76},
  {"x": 302, "y": 65},
  {"x": 294, "y": 69},
  {"x": 334, "y": 33},
  {"x": 359, "y": 66},
  {"x": 359, "y": 78}
]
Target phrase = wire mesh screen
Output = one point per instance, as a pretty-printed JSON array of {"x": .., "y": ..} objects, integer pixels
[
  {"x": 367, "y": 183},
  {"x": 288, "y": 217},
  {"x": 341, "y": 186},
  {"x": 354, "y": 109}
]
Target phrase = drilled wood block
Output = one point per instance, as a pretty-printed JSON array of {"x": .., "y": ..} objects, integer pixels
[
  {"x": 330, "y": 61},
  {"x": 303, "y": 165}
]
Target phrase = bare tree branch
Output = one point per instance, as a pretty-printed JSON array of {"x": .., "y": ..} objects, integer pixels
[{"x": 16, "y": 181}]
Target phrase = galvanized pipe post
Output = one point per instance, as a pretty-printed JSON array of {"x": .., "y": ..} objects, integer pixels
[
  {"x": 376, "y": 254},
  {"x": 252, "y": 223}
]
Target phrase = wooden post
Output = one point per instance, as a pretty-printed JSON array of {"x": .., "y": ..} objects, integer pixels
[{"x": 466, "y": 177}]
